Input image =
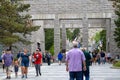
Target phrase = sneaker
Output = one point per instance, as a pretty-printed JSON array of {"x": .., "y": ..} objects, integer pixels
[
  {"x": 9, "y": 77},
  {"x": 22, "y": 76},
  {"x": 25, "y": 76},
  {"x": 40, "y": 74}
]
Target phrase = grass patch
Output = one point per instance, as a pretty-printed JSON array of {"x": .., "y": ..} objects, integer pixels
[{"x": 116, "y": 64}]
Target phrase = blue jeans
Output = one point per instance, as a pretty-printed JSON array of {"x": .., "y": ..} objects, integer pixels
[
  {"x": 86, "y": 74},
  {"x": 75, "y": 75}
]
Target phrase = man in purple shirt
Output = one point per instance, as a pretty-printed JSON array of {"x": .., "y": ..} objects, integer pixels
[
  {"x": 75, "y": 60},
  {"x": 7, "y": 60}
]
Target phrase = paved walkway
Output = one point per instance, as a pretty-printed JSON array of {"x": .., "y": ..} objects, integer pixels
[{"x": 56, "y": 72}]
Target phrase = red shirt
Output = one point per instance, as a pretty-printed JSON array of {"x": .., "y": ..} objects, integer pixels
[{"x": 38, "y": 58}]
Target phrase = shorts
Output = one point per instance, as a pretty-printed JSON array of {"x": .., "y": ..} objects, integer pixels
[
  {"x": 25, "y": 64},
  {"x": 60, "y": 59},
  {"x": 16, "y": 68},
  {"x": 8, "y": 68}
]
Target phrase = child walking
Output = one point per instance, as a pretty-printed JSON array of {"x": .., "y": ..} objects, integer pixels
[{"x": 16, "y": 67}]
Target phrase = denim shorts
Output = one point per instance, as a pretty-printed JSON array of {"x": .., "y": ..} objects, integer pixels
[{"x": 25, "y": 64}]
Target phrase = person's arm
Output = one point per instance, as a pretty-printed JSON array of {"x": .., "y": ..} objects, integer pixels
[
  {"x": 84, "y": 65},
  {"x": 83, "y": 61},
  {"x": 41, "y": 58},
  {"x": 3, "y": 61},
  {"x": 29, "y": 57},
  {"x": 12, "y": 60},
  {"x": 67, "y": 66},
  {"x": 67, "y": 58}
]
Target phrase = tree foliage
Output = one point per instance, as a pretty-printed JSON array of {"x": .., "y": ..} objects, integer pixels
[
  {"x": 116, "y": 5},
  {"x": 97, "y": 37},
  {"x": 13, "y": 23},
  {"x": 101, "y": 36},
  {"x": 49, "y": 38},
  {"x": 71, "y": 35}
]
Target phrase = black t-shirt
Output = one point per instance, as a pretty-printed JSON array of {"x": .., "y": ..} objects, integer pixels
[{"x": 102, "y": 54}]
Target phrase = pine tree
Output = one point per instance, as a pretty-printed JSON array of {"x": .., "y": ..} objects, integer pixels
[
  {"x": 13, "y": 23},
  {"x": 116, "y": 5}
]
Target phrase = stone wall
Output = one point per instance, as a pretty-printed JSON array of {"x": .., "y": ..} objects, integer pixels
[{"x": 84, "y": 10}]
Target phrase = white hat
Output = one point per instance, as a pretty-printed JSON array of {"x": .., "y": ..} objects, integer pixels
[{"x": 75, "y": 43}]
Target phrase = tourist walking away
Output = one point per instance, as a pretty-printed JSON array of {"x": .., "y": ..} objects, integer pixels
[
  {"x": 94, "y": 57},
  {"x": 74, "y": 60},
  {"x": 7, "y": 60},
  {"x": 25, "y": 59},
  {"x": 108, "y": 57},
  {"x": 43, "y": 57},
  {"x": 98, "y": 58},
  {"x": 38, "y": 61},
  {"x": 3, "y": 65},
  {"x": 102, "y": 54},
  {"x": 88, "y": 59},
  {"x": 16, "y": 67},
  {"x": 60, "y": 57},
  {"x": 48, "y": 57}
]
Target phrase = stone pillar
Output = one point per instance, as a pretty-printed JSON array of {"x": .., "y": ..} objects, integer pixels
[
  {"x": 85, "y": 32},
  {"x": 42, "y": 38},
  {"x": 38, "y": 36},
  {"x": 56, "y": 36},
  {"x": 108, "y": 26},
  {"x": 113, "y": 46},
  {"x": 63, "y": 37}
]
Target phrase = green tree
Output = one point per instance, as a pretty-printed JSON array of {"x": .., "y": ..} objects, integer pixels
[
  {"x": 13, "y": 23},
  {"x": 101, "y": 36},
  {"x": 71, "y": 35},
  {"x": 75, "y": 33},
  {"x": 116, "y": 5},
  {"x": 52, "y": 50},
  {"x": 49, "y": 38},
  {"x": 97, "y": 37}
]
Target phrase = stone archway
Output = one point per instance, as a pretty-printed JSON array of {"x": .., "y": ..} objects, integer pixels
[
  {"x": 84, "y": 24},
  {"x": 57, "y": 10}
]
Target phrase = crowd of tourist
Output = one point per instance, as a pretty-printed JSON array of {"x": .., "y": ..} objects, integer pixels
[{"x": 77, "y": 61}]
